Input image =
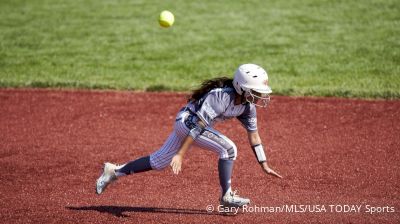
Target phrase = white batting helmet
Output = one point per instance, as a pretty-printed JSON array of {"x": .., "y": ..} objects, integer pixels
[{"x": 252, "y": 81}]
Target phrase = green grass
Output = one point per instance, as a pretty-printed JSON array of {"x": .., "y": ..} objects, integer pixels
[{"x": 309, "y": 47}]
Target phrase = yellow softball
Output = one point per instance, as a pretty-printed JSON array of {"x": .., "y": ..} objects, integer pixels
[{"x": 166, "y": 19}]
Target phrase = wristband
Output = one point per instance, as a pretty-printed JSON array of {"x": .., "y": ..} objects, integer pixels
[{"x": 259, "y": 153}]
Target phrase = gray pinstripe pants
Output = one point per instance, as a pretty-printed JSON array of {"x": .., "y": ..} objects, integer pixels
[{"x": 210, "y": 139}]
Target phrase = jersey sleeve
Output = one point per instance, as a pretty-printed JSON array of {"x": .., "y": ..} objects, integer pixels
[
  {"x": 249, "y": 118},
  {"x": 211, "y": 108}
]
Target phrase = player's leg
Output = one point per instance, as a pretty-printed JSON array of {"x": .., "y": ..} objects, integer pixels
[
  {"x": 156, "y": 161},
  {"x": 159, "y": 159},
  {"x": 213, "y": 140},
  {"x": 226, "y": 149},
  {"x": 135, "y": 166}
]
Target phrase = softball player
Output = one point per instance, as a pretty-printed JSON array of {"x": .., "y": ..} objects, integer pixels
[{"x": 216, "y": 100}]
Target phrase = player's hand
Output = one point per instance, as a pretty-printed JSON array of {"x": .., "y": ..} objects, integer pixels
[
  {"x": 269, "y": 171},
  {"x": 176, "y": 163}
]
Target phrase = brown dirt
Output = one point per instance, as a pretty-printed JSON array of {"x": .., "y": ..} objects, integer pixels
[{"x": 330, "y": 152}]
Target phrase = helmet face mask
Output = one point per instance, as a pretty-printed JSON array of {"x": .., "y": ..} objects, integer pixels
[
  {"x": 256, "y": 98},
  {"x": 251, "y": 82}
]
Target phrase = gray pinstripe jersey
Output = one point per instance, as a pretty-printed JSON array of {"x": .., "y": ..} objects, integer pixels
[{"x": 218, "y": 105}]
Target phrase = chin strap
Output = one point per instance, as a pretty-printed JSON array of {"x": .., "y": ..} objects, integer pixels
[{"x": 259, "y": 153}]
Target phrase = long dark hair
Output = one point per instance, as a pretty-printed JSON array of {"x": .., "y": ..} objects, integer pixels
[{"x": 208, "y": 85}]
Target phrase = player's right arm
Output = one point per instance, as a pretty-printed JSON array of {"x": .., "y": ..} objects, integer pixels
[
  {"x": 176, "y": 162},
  {"x": 210, "y": 109}
]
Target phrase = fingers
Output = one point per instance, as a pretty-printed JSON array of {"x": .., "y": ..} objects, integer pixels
[
  {"x": 272, "y": 172},
  {"x": 277, "y": 175},
  {"x": 177, "y": 170},
  {"x": 176, "y": 167}
]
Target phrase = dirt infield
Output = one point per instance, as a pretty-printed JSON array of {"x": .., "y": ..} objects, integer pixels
[{"x": 336, "y": 156}]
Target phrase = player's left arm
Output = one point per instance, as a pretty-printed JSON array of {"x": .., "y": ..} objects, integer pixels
[{"x": 258, "y": 149}]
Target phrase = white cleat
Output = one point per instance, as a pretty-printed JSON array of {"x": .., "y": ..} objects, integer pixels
[
  {"x": 107, "y": 177},
  {"x": 232, "y": 200}
]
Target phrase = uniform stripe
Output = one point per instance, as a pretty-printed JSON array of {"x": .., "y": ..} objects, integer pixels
[
  {"x": 227, "y": 149},
  {"x": 206, "y": 143},
  {"x": 234, "y": 148},
  {"x": 160, "y": 159}
]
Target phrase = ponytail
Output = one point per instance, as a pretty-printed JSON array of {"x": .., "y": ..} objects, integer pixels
[{"x": 208, "y": 85}]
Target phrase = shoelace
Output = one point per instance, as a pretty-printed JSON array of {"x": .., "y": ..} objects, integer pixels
[{"x": 234, "y": 194}]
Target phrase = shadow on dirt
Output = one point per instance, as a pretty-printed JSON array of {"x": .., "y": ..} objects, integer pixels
[{"x": 119, "y": 210}]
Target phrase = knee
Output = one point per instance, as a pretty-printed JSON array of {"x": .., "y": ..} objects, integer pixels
[{"x": 230, "y": 152}]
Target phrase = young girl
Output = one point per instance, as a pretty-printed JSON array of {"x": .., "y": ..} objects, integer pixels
[{"x": 216, "y": 100}]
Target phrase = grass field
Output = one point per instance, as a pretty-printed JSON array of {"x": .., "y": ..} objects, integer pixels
[{"x": 311, "y": 47}]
